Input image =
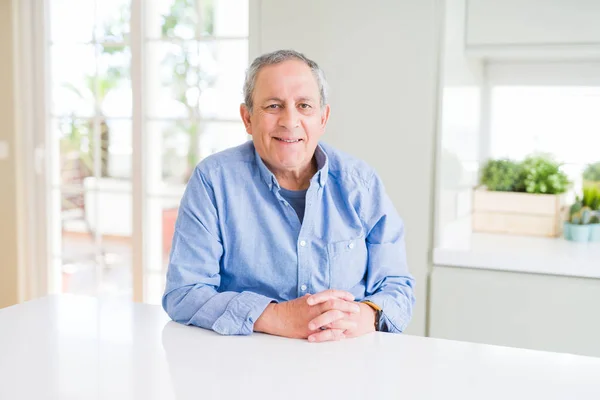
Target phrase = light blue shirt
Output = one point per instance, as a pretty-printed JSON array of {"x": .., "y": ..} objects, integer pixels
[{"x": 239, "y": 245}]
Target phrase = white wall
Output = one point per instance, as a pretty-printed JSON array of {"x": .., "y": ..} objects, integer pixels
[{"x": 380, "y": 58}]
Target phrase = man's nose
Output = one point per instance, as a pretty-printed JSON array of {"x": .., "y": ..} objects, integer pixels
[{"x": 289, "y": 118}]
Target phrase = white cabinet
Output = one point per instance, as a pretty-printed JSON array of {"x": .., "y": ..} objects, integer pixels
[
  {"x": 541, "y": 312},
  {"x": 533, "y": 28},
  {"x": 533, "y": 22}
]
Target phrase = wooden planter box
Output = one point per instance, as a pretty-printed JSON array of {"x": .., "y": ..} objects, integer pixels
[{"x": 518, "y": 213}]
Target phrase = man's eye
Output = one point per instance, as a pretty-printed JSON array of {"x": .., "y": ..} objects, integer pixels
[
  {"x": 273, "y": 106},
  {"x": 305, "y": 106}
]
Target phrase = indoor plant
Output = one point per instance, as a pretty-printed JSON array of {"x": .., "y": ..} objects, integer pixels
[
  {"x": 591, "y": 175},
  {"x": 520, "y": 197},
  {"x": 591, "y": 199},
  {"x": 500, "y": 175},
  {"x": 541, "y": 174},
  {"x": 578, "y": 227}
]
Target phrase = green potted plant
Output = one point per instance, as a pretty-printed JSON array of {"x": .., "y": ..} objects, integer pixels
[
  {"x": 591, "y": 199},
  {"x": 591, "y": 175},
  {"x": 522, "y": 198},
  {"x": 578, "y": 227},
  {"x": 500, "y": 175},
  {"x": 541, "y": 174}
]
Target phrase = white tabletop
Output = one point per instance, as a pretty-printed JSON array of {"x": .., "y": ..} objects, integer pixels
[{"x": 67, "y": 347}]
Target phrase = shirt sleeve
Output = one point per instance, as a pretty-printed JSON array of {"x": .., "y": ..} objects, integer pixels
[
  {"x": 192, "y": 294},
  {"x": 389, "y": 283}
]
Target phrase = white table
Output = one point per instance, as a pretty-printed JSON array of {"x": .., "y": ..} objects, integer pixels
[{"x": 68, "y": 347}]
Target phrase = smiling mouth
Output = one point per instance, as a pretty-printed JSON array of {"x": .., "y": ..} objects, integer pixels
[{"x": 289, "y": 140}]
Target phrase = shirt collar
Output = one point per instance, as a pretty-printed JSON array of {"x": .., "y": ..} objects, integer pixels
[{"x": 322, "y": 169}]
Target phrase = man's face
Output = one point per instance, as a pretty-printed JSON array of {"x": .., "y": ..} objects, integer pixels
[{"x": 286, "y": 122}]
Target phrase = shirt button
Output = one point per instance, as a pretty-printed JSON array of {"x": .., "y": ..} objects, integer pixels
[
  {"x": 303, "y": 288},
  {"x": 302, "y": 243},
  {"x": 351, "y": 245}
]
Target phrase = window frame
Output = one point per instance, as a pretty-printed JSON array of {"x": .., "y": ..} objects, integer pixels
[{"x": 43, "y": 272}]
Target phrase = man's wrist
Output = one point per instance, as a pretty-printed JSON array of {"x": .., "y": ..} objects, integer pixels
[{"x": 267, "y": 322}]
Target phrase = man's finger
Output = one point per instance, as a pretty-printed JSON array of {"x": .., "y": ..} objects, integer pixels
[
  {"x": 321, "y": 297},
  {"x": 327, "y": 335},
  {"x": 326, "y": 318},
  {"x": 342, "y": 324},
  {"x": 338, "y": 304}
]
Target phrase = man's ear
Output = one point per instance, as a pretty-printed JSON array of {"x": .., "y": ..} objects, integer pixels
[
  {"x": 245, "y": 114},
  {"x": 325, "y": 116}
]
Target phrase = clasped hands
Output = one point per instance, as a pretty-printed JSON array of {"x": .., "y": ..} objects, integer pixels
[{"x": 325, "y": 316}]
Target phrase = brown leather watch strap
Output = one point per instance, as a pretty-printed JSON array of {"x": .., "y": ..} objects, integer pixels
[{"x": 378, "y": 311}]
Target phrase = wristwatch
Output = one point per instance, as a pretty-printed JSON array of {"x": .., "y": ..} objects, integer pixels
[{"x": 378, "y": 311}]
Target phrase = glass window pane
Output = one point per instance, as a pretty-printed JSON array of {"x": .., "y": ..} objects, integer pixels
[
  {"x": 162, "y": 214},
  {"x": 72, "y": 214},
  {"x": 72, "y": 79},
  {"x": 556, "y": 120},
  {"x": 109, "y": 207},
  {"x": 221, "y": 91},
  {"x": 174, "y": 19},
  {"x": 114, "y": 81},
  {"x": 71, "y": 21},
  {"x": 189, "y": 19},
  {"x": 74, "y": 156},
  {"x": 218, "y": 136},
  {"x": 117, "y": 149},
  {"x": 562, "y": 121},
  {"x": 228, "y": 23},
  {"x": 77, "y": 247},
  {"x": 174, "y": 78},
  {"x": 169, "y": 144},
  {"x": 91, "y": 262},
  {"x": 206, "y": 16},
  {"x": 113, "y": 20},
  {"x": 81, "y": 274},
  {"x": 172, "y": 141}
]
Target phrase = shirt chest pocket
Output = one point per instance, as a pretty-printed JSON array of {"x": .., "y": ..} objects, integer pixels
[{"x": 347, "y": 263}]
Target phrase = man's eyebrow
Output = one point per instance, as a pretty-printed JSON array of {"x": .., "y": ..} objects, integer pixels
[
  {"x": 277, "y": 99},
  {"x": 306, "y": 99},
  {"x": 274, "y": 99}
]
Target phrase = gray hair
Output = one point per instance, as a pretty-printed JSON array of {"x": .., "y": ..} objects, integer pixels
[{"x": 277, "y": 57}]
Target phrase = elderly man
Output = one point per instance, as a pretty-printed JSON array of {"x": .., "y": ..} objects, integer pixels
[{"x": 286, "y": 235}]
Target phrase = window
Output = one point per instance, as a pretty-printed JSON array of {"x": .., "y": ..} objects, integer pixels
[
  {"x": 194, "y": 54},
  {"x": 560, "y": 120}
]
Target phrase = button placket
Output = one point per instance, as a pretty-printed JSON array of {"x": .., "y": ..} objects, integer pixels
[{"x": 304, "y": 247}]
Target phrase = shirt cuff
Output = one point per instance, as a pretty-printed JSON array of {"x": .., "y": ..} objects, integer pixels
[
  {"x": 241, "y": 314},
  {"x": 393, "y": 318}
]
